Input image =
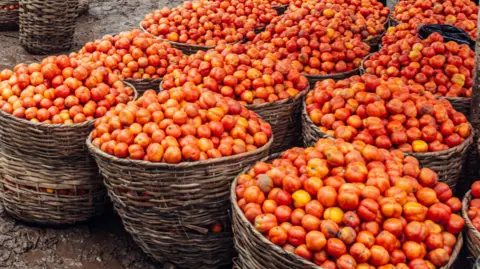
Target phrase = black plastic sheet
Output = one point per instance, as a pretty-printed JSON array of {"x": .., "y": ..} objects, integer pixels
[{"x": 449, "y": 33}]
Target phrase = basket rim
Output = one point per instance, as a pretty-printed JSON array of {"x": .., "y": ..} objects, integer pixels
[
  {"x": 130, "y": 80},
  {"x": 272, "y": 247},
  {"x": 182, "y": 165},
  {"x": 301, "y": 94},
  {"x": 59, "y": 125},
  {"x": 457, "y": 98},
  {"x": 467, "y": 141},
  {"x": 466, "y": 199},
  {"x": 236, "y": 210},
  {"x": 194, "y": 46}
]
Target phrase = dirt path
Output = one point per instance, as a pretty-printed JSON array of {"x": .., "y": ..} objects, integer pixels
[
  {"x": 100, "y": 244},
  {"x": 104, "y": 17}
]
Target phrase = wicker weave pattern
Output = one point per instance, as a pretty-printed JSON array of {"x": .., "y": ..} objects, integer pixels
[
  {"x": 257, "y": 252},
  {"x": 47, "y": 26},
  {"x": 8, "y": 18},
  {"x": 166, "y": 207},
  {"x": 24, "y": 180},
  {"x": 471, "y": 233}
]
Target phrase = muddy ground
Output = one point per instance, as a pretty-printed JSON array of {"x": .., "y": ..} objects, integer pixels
[{"x": 102, "y": 243}]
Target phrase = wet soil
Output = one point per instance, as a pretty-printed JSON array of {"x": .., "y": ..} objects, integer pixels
[
  {"x": 99, "y": 244},
  {"x": 103, "y": 17}
]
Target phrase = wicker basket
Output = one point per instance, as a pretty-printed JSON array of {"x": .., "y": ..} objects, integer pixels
[
  {"x": 472, "y": 235},
  {"x": 280, "y": 9},
  {"x": 310, "y": 132},
  {"x": 48, "y": 141},
  {"x": 257, "y": 252},
  {"x": 47, "y": 174},
  {"x": 284, "y": 117},
  {"x": 167, "y": 207},
  {"x": 447, "y": 163},
  {"x": 141, "y": 85},
  {"x": 47, "y": 26},
  {"x": 8, "y": 18}
]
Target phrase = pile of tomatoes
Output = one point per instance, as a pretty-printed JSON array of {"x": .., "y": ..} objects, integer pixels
[
  {"x": 386, "y": 113},
  {"x": 132, "y": 54},
  {"x": 315, "y": 40},
  {"x": 473, "y": 212},
  {"x": 363, "y": 18},
  {"x": 60, "y": 90},
  {"x": 460, "y": 13},
  {"x": 181, "y": 124},
  {"x": 343, "y": 205},
  {"x": 242, "y": 72},
  {"x": 209, "y": 23},
  {"x": 398, "y": 32},
  {"x": 443, "y": 68}
]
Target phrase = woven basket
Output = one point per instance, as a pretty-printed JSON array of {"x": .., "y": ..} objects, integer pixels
[
  {"x": 447, "y": 163},
  {"x": 166, "y": 207},
  {"x": 310, "y": 132},
  {"x": 314, "y": 78},
  {"x": 284, "y": 117},
  {"x": 47, "y": 174},
  {"x": 280, "y": 9},
  {"x": 8, "y": 18},
  {"x": 141, "y": 85},
  {"x": 257, "y": 252},
  {"x": 49, "y": 141},
  {"x": 472, "y": 235},
  {"x": 47, "y": 26},
  {"x": 50, "y": 191}
]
